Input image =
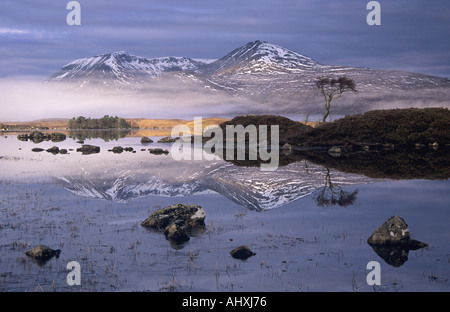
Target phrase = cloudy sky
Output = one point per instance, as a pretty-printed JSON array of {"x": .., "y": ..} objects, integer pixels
[{"x": 414, "y": 35}]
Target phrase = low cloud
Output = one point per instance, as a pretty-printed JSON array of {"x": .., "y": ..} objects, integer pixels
[{"x": 25, "y": 99}]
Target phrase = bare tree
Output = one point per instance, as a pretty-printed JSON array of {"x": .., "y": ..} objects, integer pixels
[
  {"x": 332, "y": 194},
  {"x": 333, "y": 89}
]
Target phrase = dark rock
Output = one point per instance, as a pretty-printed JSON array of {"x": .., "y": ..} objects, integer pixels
[
  {"x": 37, "y": 149},
  {"x": 80, "y": 141},
  {"x": 63, "y": 151},
  {"x": 392, "y": 231},
  {"x": 158, "y": 151},
  {"x": 54, "y": 150},
  {"x": 128, "y": 149},
  {"x": 146, "y": 140},
  {"x": 392, "y": 241},
  {"x": 117, "y": 149},
  {"x": 41, "y": 254},
  {"x": 167, "y": 140},
  {"x": 177, "y": 221},
  {"x": 89, "y": 149},
  {"x": 177, "y": 234},
  {"x": 242, "y": 253}
]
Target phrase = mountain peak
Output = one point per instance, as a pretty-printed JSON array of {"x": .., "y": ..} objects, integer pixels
[{"x": 261, "y": 57}]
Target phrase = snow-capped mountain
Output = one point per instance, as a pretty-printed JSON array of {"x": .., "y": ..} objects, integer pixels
[
  {"x": 261, "y": 57},
  {"x": 121, "y": 69},
  {"x": 258, "y": 77}
]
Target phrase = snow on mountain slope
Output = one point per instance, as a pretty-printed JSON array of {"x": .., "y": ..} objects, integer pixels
[
  {"x": 261, "y": 57},
  {"x": 257, "y": 75},
  {"x": 121, "y": 68}
]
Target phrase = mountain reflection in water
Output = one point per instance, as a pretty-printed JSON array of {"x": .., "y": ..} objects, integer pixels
[{"x": 247, "y": 186}]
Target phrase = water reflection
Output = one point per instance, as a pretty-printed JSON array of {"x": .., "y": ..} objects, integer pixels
[
  {"x": 106, "y": 135},
  {"x": 333, "y": 194},
  {"x": 126, "y": 176},
  {"x": 395, "y": 255}
]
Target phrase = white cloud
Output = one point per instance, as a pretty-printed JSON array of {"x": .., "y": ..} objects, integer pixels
[{"x": 13, "y": 31}]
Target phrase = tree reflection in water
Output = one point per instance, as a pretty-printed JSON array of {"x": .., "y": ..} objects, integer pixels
[{"x": 333, "y": 194}]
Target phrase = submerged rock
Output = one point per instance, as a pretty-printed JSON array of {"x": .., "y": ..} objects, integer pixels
[
  {"x": 117, "y": 149},
  {"x": 242, "y": 253},
  {"x": 41, "y": 254},
  {"x": 167, "y": 140},
  {"x": 177, "y": 221},
  {"x": 54, "y": 150},
  {"x": 158, "y": 151},
  {"x": 89, "y": 149},
  {"x": 176, "y": 233}
]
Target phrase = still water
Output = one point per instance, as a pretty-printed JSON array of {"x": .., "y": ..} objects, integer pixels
[{"x": 307, "y": 222}]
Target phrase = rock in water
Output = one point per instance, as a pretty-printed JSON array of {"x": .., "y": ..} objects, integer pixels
[
  {"x": 167, "y": 140},
  {"x": 176, "y": 233},
  {"x": 88, "y": 149},
  {"x": 242, "y": 253},
  {"x": 158, "y": 151},
  {"x": 177, "y": 221},
  {"x": 53, "y": 150},
  {"x": 41, "y": 254},
  {"x": 146, "y": 140},
  {"x": 394, "y": 232}
]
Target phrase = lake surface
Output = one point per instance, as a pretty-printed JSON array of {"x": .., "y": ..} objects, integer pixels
[{"x": 91, "y": 207}]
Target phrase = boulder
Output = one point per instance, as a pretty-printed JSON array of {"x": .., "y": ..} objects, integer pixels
[
  {"x": 54, "y": 150},
  {"x": 41, "y": 254},
  {"x": 242, "y": 253},
  {"x": 89, "y": 149},
  {"x": 146, "y": 140},
  {"x": 63, "y": 151},
  {"x": 167, "y": 140},
  {"x": 128, "y": 149},
  {"x": 176, "y": 233},
  {"x": 158, "y": 151},
  {"x": 394, "y": 231},
  {"x": 117, "y": 149},
  {"x": 177, "y": 221},
  {"x": 37, "y": 149}
]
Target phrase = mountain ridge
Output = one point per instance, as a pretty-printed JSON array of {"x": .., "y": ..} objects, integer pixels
[{"x": 256, "y": 76}]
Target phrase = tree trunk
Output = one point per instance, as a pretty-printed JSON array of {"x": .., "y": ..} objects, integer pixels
[{"x": 327, "y": 107}]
